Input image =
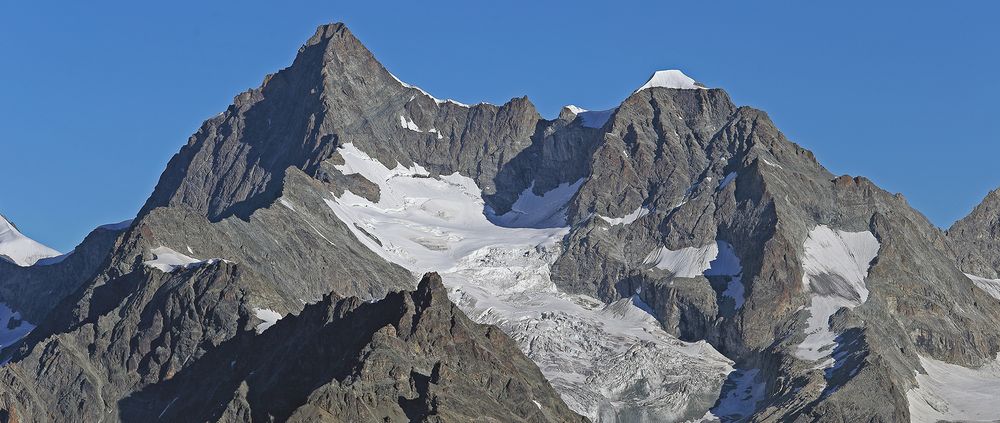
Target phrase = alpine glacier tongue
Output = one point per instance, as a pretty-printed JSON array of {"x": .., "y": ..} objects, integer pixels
[{"x": 20, "y": 249}]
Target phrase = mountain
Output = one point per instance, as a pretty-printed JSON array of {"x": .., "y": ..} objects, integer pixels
[
  {"x": 19, "y": 249},
  {"x": 411, "y": 356},
  {"x": 976, "y": 238},
  {"x": 675, "y": 258}
]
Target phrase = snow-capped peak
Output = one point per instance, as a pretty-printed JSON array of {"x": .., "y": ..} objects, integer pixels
[
  {"x": 575, "y": 109},
  {"x": 20, "y": 249},
  {"x": 672, "y": 78}
]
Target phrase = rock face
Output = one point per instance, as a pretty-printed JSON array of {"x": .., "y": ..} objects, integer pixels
[
  {"x": 412, "y": 356},
  {"x": 976, "y": 238},
  {"x": 622, "y": 251}
]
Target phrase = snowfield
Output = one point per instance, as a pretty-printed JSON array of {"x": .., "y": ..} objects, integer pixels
[
  {"x": 607, "y": 361},
  {"x": 835, "y": 264},
  {"x": 954, "y": 393}
]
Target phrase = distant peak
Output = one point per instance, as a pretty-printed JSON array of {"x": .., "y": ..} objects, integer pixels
[
  {"x": 575, "y": 109},
  {"x": 671, "y": 78},
  {"x": 19, "y": 249}
]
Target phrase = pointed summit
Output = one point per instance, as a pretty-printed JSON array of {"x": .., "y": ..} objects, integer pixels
[
  {"x": 20, "y": 249},
  {"x": 672, "y": 78}
]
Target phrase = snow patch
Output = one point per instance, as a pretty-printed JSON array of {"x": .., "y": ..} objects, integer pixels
[
  {"x": 12, "y": 326},
  {"x": 948, "y": 392},
  {"x": 167, "y": 260},
  {"x": 436, "y": 100},
  {"x": 595, "y": 119},
  {"x": 769, "y": 163},
  {"x": 405, "y": 122},
  {"x": 627, "y": 219},
  {"x": 716, "y": 259},
  {"x": 672, "y": 78},
  {"x": 726, "y": 180},
  {"x": 270, "y": 317},
  {"x": 19, "y": 249},
  {"x": 435, "y": 131},
  {"x": 575, "y": 110},
  {"x": 740, "y": 395},
  {"x": 835, "y": 264},
  {"x": 286, "y": 203}
]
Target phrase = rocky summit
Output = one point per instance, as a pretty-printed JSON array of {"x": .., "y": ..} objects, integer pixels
[{"x": 674, "y": 259}]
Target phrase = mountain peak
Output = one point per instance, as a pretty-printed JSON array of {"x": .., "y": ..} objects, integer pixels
[
  {"x": 20, "y": 249},
  {"x": 327, "y": 31},
  {"x": 671, "y": 78}
]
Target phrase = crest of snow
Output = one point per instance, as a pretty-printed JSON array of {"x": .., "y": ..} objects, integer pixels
[
  {"x": 117, "y": 226},
  {"x": 740, "y": 395},
  {"x": 949, "y": 392},
  {"x": 627, "y": 219},
  {"x": 835, "y": 265},
  {"x": 991, "y": 286},
  {"x": 575, "y": 110},
  {"x": 270, "y": 317},
  {"x": 725, "y": 181},
  {"x": 436, "y": 100},
  {"x": 595, "y": 119},
  {"x": 670, "y": 79},
  {"x": 19, "y": 249},
  {"x": 716, "y": 259},
  {"x": 602, "y": 359},
  {"x": 168, "y": 260},
  {"x": 538, "y": 211},
  {"x": 12, "y": 327}
]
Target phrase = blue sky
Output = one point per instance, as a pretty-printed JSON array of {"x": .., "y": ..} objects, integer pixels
[{"x": 97, "y": 96}]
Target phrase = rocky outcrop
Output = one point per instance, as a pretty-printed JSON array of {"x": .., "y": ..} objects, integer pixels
[
  {"x": 412, "y": 356},
  {"x": 976, "y": 238}
]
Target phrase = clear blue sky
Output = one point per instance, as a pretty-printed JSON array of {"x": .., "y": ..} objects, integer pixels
[{"x": 98, "y": 95}]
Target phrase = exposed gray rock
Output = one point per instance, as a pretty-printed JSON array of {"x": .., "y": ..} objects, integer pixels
[
  {"x": 976, "y": 238},
  {"x": 412, "y": 356}
]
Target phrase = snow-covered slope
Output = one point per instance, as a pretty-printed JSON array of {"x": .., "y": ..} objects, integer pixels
[
  {"x": 947, "y": 392},
  {"x": 605, "y": 360},
  {"x": 20, "y": 249},
  {"x": 835, "y": 265},
  {"x": 12, "y": 326}
]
